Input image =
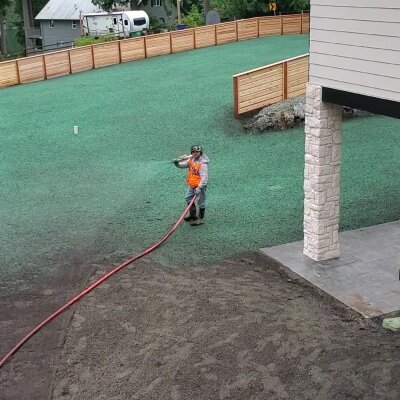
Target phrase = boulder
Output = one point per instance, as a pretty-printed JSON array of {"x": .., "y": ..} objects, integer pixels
[{"x": 287, "y": 114}]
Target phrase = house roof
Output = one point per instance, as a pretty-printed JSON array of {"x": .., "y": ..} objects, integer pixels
[{"x": 67, "y": 10}]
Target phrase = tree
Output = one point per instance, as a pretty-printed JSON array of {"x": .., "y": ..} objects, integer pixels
[
  {"x": 108, "y": 5},
  {"x": 3, "y": 6},
  {"x": 241, "y": 9},
  {"x": 34, "y": 5},
  {"x": 297, "y": 5},
  {"x": 254, "y": 8},
  {"x": 194, "y": 18}
]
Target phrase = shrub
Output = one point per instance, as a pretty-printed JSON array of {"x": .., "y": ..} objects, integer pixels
[
  {"x": 194, "y": 18},
  {"x": 88, "y": 40}
]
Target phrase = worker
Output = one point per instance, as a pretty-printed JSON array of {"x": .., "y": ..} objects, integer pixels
[{"x": 197, "y": 179}]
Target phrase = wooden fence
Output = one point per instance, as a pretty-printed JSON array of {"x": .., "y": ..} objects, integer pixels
[
  {"x": 63, "y": 62},
  {"x": 271, "y": 84}
]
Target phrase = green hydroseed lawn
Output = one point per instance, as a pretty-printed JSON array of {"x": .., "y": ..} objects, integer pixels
[{"x": 110, "y": 191}]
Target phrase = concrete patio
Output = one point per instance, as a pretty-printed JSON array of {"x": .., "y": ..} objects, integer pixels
[{"x": 365, "y": 277}]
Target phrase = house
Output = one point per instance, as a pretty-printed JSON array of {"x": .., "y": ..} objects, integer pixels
[
  {"x": 163, "y": 10},
  {"x": 60, "y": 22},
  {"x": 354, "y": 62}
]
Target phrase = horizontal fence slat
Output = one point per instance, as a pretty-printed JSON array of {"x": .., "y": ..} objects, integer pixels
[
  {"x": 300, "y": 71},
  {"x": 261, "y": 86},
  {"x": 261, "y": 104},
  {"x": 247, "y": 29},
  {"x": 106, "y": 54},
  {"x": 269, "y": 26},
  {"x": 81, "y": 59},
  {"x": 57, "y": 64},
  {"x": 157, "y": 45},
  {"x": 260, "y": 82},
  {"x": 260, "y": 75},
  {"x": 9, "y": 74},
  {"x": 31, "y": 69},
  {"x": 275, "y": 93},
  {"x": 205, "y": 36},
  {"x": 182, "y": 40},
  {"x": 291, "y": 24},
  {"x": 226, "y": 32},
  {"x": 305, "y": 23},
  {"x": 132, "y": 49},
  {"x": 250, "y": 98}
]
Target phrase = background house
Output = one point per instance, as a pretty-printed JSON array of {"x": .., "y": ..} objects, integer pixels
[
  {"x": 164, "y": 10},
  {"x": 60, "y": 22}
]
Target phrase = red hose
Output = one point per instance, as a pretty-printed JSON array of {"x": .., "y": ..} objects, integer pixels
[{"x": 91, "y": 287}]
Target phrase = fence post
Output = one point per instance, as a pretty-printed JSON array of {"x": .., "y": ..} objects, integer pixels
[
  {"x": 69, "y": 61},
  {"x": 119, "y": 52},
  {"x": 281, "y": 23},
  {"x": 93, "y": 56},
  {"x": 258, "y": 27},
  {"x": 44, "y": 66},
  {"x": 17, "y": 68},
  {"x": 285, "y": 80},
  {"x": 237, "y": 31},
  {"x": 194, "y": 38},
  {"x": 301, "y": 22},
  {"x": 145, "y": 46},
  {"x": 235, "y": 96},
  {"x": 215, "y": 34}
]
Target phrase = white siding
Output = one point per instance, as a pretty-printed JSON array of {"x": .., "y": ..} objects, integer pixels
[{"x": 355, "y": 46}]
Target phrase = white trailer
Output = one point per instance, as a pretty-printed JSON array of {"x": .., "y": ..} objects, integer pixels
[{"x": 121, "y": 24}]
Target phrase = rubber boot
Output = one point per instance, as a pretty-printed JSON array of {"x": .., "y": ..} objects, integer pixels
[
  {"x": 200, "y": 221},
  {"x": 192, "y": 214}
]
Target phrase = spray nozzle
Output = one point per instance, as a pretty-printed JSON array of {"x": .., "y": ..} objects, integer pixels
[{"x": 181, "y": 158}]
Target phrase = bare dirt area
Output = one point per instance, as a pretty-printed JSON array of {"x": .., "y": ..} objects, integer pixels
[
  {"x": 29, "y": 374},
  {"x": 241, "y": 329}
]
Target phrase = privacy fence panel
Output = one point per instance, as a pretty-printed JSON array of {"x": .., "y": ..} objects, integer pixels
[
  {"x": 226, "y": 32},
  {"x": 305, "y": 25},
  {"x": 206, "y": 36},
  {"x": 9, "y": 74},
  {"x": 57, "y": 64},
  {"x": 79, "y": 59},
  {"x": 31, "y": 69},
  {"x": 182, "y": 40},
  {"x": 247, "y": 29},
  {"x": 291, "y": 24},
  {"x": 297, "y": 77},
  {"x": 257, "y": 88},
  {"x": 157, "y": 45},
  {"x": 269, "y": 26},
  {"x": 267, "y": 85},
  {"x": 106, "y": 54},
  {"x": 132, "y": 49}
]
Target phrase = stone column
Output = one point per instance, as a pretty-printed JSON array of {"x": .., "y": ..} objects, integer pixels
[{"x": 323, "y": 133}]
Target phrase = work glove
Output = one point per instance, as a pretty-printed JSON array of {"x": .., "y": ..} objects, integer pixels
[{"x": 197, "y": 191}]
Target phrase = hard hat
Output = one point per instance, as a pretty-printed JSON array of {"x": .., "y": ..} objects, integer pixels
[{"x": 196, "y": 148}]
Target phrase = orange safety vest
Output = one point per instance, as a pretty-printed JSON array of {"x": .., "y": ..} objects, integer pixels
[{"x": 193, "y": 178}]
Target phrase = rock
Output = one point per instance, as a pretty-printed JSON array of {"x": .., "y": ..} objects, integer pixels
[
  {"x": 392, "y": 324},
  {"x": 288, "y": 114}
]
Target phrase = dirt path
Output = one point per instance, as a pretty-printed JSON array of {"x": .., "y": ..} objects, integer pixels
[{"x": 240, "y": 329}]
